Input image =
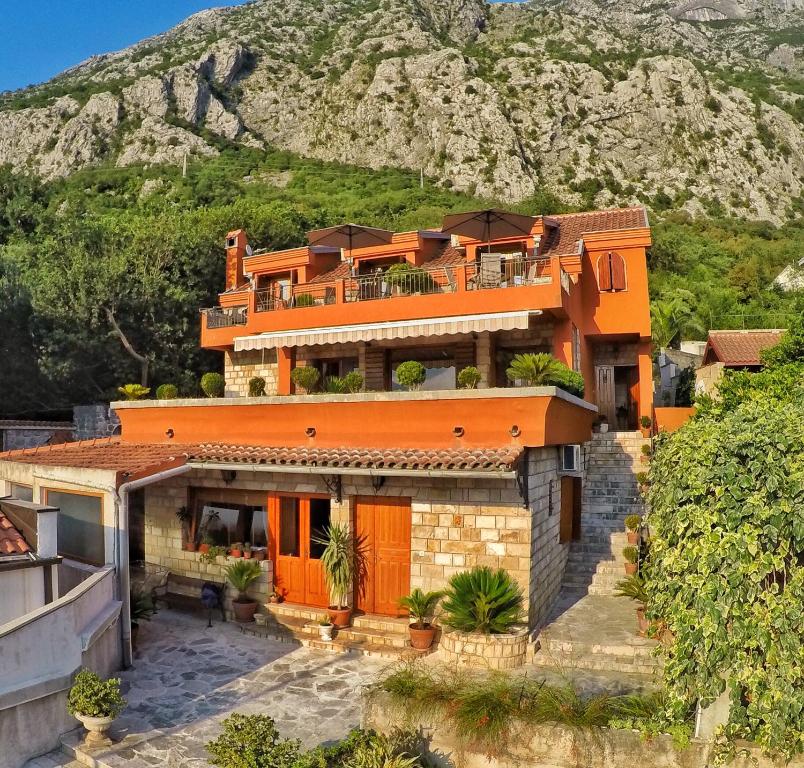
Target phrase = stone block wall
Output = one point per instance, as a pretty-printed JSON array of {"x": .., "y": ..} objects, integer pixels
[
  {"x": 616, "y": 354},
  {"x": 239, "y": 367}
]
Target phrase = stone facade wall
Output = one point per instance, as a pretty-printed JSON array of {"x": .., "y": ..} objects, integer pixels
[
  {"x": 455, "y": 524},
  {"x": 15, "y": 438},
  {"x": 616, "y": 354},
  {"x": 239, "y": 367},
  {"x": 91, "y": 421}
]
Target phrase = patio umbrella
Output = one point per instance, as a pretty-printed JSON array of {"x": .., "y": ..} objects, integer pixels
[
  {"x": 349, "y": 236},
  {"x": 488, "y": 225}
]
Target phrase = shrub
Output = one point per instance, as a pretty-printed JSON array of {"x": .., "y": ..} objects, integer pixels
[
  {"x": 94, "y": 697},
  {"x": 469, "y": 377},
  {"x": 141, "y": 606},
  {"x": 306, "y": 377},
  {"x": 633, "y": 587},
  {"x": 642, "y": 478},
  {"x": 241, "y": 575},
  {"x": 633, "y": 522},
  {"x": 564, "y": 704},
  {"x": 335, "y": 385},
  {"x": 252, "y": 741},
  {"x": 167, "y": 392},
  {"x": 133, "y": 391},
  {"x": 483, "y": 600},
  {"x": 631, "y": 554},
  {"x": 304, "y": 300},
  {"x": 645, "y": 421},
  {"x": 256, "y": 386},
  {"x": 569, "y": 380},
  {"x": 541, "y": 370},
  {"x": 421, "y": 606},
  {"x": 354, "y": 381},
  {"x": 213, "y": 384},
  {"x": 790, "y": 348},
  {"x": 411, "y": 374}
]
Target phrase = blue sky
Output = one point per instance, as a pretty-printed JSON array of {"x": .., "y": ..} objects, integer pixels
[{"x": 43, "y": 37}]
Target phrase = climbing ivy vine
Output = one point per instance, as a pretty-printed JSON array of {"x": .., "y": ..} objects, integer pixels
[{"x": 725, "y": 572}]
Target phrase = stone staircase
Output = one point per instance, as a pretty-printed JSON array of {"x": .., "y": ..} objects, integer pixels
[
  {"x": 610, "y": 494},
  {"x": 589, "y": 628},
  {"x": 379, "y": 636}
]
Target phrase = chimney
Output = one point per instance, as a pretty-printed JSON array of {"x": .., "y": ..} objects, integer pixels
[{"x": 236, "y": 244}]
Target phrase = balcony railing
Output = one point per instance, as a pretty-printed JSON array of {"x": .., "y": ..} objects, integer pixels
[
  {"x": 225, "y": 318},
  {"x": 493, "y": 271}
]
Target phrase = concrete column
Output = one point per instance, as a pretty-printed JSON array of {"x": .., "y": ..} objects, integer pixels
[
  {"x": 645, "y": 379},
  {"x": 286, "y": 357},
  {"x": 484, "y": 351},
  {"x": 46, "y": 531}
]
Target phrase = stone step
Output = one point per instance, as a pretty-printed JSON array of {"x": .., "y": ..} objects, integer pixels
[{"x": 599, "y": 663}]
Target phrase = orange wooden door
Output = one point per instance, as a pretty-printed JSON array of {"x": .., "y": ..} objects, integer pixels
[
  {"x": 295, "y": 525},
  {"x": 383, "y": 534}
]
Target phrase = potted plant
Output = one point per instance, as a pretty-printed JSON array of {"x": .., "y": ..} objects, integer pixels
[
  {"x": 258, "y": 553},
  {"x": 646, "y": 423},
  {"x": 96, "y": 703},
  {"x": 141, "y": 608},
  {"x": 411, "y": 374},
  {"x": 469, "y": 377},
  {"x": 247, "y": 551},
  {"x": 631, "y": 555},
  {"x": 206, "y": 543},
  {"x": 634, "y": 587},
  {"x": 603, "y": 425},
  {"x": 325, "y": 627},
  {"x": 241, "y": 576},
  {"x": 185, "y": 518},
  {"x": 212, "y": 554},
  {"x": 213, "y": 385},
  {"x": 236, "y": 550},
  {"x": 483, "y": 601},
  {"x": 306, "y": 377},
  {"x": 338, "y": 560},
  {"x": 421, "y": 606},
  {"x": 632, "y": 525}
]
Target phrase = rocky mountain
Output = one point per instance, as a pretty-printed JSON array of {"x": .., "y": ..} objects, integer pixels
[{"x": 696, "y": 103}]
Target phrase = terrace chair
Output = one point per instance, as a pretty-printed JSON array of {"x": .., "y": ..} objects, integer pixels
[
  {"x": 490, "y": 270},
  {"x": 451, "y": 280}
]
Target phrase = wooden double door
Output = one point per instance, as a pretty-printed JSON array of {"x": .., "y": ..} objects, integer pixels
[{"x": 382, "y": 535}]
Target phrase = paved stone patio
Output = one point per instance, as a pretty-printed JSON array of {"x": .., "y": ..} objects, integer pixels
[{"x": 186, "y": 679}]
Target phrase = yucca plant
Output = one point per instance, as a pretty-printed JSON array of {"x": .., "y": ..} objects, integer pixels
[
  {"x": 338, "y": 560},
  {"x": 421, "y": 606},
  {"x": 536, "y": 370},
  {"x": 483, "y": 600},
  {"x": 133, "y": 391},
  {"x": 241, "y": 575}
]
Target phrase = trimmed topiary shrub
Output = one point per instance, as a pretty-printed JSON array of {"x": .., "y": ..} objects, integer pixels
[
  {"x": 167, "y": 392},
  {"x": 354, "y": 381},
  {"x": 213, "y": 384},
  {"x": 411, "y": 374},
  {"x": 483, "y": 600},
  {"x": 256, "y": 386},
  {"x": 469, "y": 377},
  {"x": 306, "y": 377}
]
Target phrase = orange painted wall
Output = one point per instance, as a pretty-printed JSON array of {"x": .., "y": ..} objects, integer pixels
[
  {"x": 398, "y": 423},
  {"x": 671, "y": 419}
]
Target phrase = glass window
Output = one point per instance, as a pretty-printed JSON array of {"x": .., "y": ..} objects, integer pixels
[
  {"x": 259, "y": 527},
  {"x": 22, "y": 492},
  {"x": 319, "y": 523},
  {"x": 80, "y": 526},
  {"x": 439, "y": 374},
  {"x": 289, "y": 533},
  {"x": 223, "y": 524}
]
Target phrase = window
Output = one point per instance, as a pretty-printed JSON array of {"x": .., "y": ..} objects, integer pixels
[
  {"x": 611, "y": 272},
  {"x": 571, "y": 458},
  {"x": 22, "y": 492},
  {"x": 335, "y": 367},
  {"x": 80, "y": 526},
  {"x": 576, "y": 350},
  {"x": 289, "y": 528},
  {"x": 222, "y": 524},
  {"x": 319, "y": 523}
]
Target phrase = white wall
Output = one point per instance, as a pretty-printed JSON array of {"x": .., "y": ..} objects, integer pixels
[{"x": 23, "y": 591}]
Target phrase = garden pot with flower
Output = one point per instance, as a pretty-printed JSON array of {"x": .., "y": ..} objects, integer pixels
[
  {"x": 421, "y": 606},
  {"x": 96, "y": 703}
]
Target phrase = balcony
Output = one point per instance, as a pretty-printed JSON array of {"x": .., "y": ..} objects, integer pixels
[
  {"x": 454, "y": 419},
  {"x": 492, "y": 285}
]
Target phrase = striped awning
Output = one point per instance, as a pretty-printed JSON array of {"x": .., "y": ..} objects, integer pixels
[{"x": 402, "y": 329}]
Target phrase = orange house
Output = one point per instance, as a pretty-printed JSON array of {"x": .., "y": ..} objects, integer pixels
[{"x": 430, "y": 482}]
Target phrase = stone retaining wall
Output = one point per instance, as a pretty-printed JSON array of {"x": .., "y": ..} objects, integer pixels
[{"x": 486, "y": 651}]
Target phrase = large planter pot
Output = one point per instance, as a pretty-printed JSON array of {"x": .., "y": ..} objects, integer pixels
[
  {"x": 473, "y": 649},
  {"x": 244, "y": 612},
  {"x": 235, "y": 553},
  {"x": 190, "y": 546},
  {"x": 97, "y": 728},
  {"x": 421, "y": 638},
  {"x": 631, "y": 569},
  {"x": 340, "y": 616},
  {"x": 203, "y": 548},
  {"x": 642, "y": 621},
  {"x": 632, "y": 537}
]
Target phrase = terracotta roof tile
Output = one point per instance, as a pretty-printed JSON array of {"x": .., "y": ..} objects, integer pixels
[
  {"x": 738, "y": 348},
  {"x": 11, "y": 540},
  {"x": 448, "y": 257},
  {"x": 488, "y": 460},
  {"x": 563, "y": 239},
  {"x": 143, "y": 458},
  {"x": 338, "y": 272}
]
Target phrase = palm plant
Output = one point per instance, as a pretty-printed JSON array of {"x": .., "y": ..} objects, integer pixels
[
  {"x": 241, "y": 575},
  {"x": 338, "y": 559},
  {"x": 133, "y": 391},
  {"x": 672, "y": 316},
  {"x": 536, "y": 370},
  {"x": 421, "y": 606},
  {"x": 633, "y": 587},
  {"x": 483, "y": 600}
]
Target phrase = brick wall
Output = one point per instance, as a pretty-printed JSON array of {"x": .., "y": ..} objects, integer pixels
[
  {"x": 616, "y": 354},
  {"x": 239, "y": 367}
]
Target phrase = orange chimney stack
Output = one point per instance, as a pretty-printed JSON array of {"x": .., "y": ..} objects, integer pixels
[{"x": 236, "y": 245}]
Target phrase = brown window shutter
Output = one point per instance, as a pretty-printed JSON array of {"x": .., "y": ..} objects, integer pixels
[
  {"x": 617, "y": 272},
  {"x": 604, "y": 272}
]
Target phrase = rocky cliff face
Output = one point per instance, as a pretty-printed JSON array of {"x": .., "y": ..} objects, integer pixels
[{"x": 600, "y": 101}]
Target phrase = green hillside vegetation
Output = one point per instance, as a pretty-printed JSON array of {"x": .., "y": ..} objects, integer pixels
[{"x": 142, "y": 248}]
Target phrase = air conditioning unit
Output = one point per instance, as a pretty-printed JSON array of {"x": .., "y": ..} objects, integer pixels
[{"x": 571, "y": 458}]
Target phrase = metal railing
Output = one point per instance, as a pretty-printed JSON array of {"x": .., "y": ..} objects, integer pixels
[
  {"x": 218, "y": 317},
  {"x": 301, "y": 295},
  {"x": 495, "y": 271},
  {"x": 409, "y": 282}
]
